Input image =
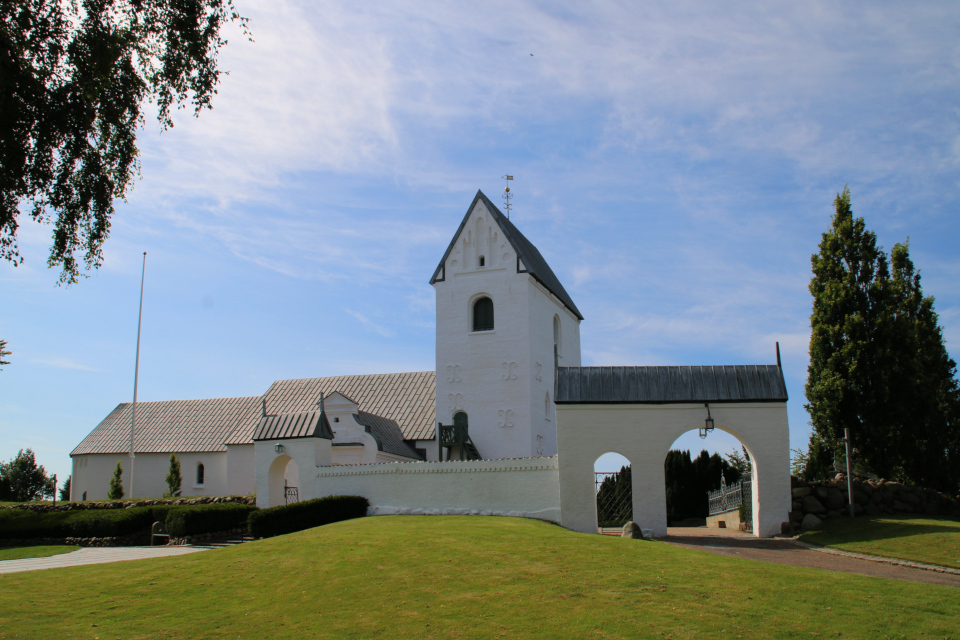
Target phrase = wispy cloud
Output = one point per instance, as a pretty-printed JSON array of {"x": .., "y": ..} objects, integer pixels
[{"x": 371, "y": 325}]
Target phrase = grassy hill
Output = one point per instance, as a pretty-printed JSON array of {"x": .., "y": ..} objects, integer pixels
[{"x": 464, "y": 577}]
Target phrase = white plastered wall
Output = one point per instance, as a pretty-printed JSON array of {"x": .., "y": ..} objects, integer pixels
[
  {"x": 544, "y": 307},
  {"x": 271, "y": 467},
  {"x": 514, "y": 487},
  {"x": 92, "y": 474},
  {"x": 493, "y": 376},
  {"x": 644, "y": 433}
]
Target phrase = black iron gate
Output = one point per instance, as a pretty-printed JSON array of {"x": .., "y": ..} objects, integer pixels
[
  {"x": 614, "y": 498},
  {"x": 290, "y": 494}
]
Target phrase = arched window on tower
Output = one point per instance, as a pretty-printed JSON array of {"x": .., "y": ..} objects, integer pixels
[
  {"x": 200, "y": 474},
  {"x": 483, "y": 315}
]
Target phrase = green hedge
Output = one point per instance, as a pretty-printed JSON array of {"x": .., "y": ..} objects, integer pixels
[
  {"x": 288, "y": 518},
  {"x": 206, "y": 518},
  {"x": 91, "y": 523},
  {"x": 109, "y": 523}
]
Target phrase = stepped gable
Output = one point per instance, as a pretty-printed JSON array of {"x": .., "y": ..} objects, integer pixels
[
  {"x": 173, "y": 426},
  {"x": 530, "y": 259},
  {"x": 405, "y": 398}
]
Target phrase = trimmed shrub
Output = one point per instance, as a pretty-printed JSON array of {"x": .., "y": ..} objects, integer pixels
[
  {"x": 94, "y": 523},
  {"x": 288, "y": 518},
  {"x": 107, "y": 523},
  {"x": 206, "y": 518}
]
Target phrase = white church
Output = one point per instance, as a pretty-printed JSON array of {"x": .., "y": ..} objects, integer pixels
[{"x": 508, "y": 400}]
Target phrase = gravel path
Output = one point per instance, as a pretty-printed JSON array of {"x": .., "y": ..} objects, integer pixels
[
  {"x": 92, "y": 555},
  {"x": 783, "y": 551}
]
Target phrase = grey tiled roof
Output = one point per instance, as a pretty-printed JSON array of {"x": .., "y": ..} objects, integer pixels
[
  {"x": 294, "y": 425},
  {"x": 387, "y": 434},
  {"x": 534, "y": 263},
  {"x": 406, "y": 398},
  {"x": 662, "y": 385},
  {"x": 171, "y": 426}
]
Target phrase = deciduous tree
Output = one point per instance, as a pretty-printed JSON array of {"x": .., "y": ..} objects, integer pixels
[
  {"x": 24, "y": 479},
  {"x": 74, "y": 75}
]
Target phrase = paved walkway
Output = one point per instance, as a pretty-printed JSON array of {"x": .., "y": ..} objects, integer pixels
[
  {"x": 93, "y": 555},
  {"x": 785, "y": 551}
]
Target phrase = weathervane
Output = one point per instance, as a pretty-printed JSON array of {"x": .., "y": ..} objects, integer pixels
[{"x": 507, "y": 196}]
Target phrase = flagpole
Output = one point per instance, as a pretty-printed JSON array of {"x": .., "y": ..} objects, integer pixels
[{"x": 136, "y": 372}]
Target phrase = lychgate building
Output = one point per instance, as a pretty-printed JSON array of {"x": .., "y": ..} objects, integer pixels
[{"x": 477, "y": 436}]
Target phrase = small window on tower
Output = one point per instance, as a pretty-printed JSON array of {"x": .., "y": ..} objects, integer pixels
[
  {"x": 483, "y": 315},
  {"x": 482, "y": 261}
]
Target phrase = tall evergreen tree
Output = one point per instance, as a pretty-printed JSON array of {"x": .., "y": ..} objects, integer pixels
[
  {"x": 931, "y": 449},
  {"x": 878, "y": 365},
  {"x": 116, "y": 484},
  {"x": 174, "y": 480}
]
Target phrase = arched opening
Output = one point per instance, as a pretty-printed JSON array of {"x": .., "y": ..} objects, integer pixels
[
  {"x": 708, "y": 483},
  {"x": 199, "y": 482},
  {"x": 483, "y": 314},
  {"x": 284, "y": 481},
  {"x": 613, "y": 486}
]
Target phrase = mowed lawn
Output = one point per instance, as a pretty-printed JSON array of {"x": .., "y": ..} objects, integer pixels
[
  {"x": 464, "y": 577},
  {"x": 922, "y": 539},
  {"x": 17, "y": 553}
]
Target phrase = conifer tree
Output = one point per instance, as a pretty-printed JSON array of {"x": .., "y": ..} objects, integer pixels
[
  {"x": 878, "y": 365},
  {"x": 116, "y": 484},
  {"x": 174, "y": 480}
]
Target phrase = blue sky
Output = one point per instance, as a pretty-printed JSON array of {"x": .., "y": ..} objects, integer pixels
[{"x": 675, "y": 162}]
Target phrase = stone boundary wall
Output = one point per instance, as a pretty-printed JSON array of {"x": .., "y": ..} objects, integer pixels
[
  {"x": 521, "y": 487},
  {"x": 132, "y": 540},
  {"x": 815, "y": 501},
  {"x": 42, "y": 507}
]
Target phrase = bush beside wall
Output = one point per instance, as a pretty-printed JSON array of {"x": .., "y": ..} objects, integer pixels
[
  {"x": 288, "y": 518},
  {"x": 194, "y": 520},
  {"x": 24, "y": 524}
]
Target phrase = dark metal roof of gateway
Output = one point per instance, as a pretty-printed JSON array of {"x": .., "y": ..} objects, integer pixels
[
  {"x": 664, "y": 385},
  {"x": 303, "y": 424},
  {"x": 533, "y": 262}
]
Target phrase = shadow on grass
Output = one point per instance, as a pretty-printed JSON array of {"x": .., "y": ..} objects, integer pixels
[{"x": 876, "y": 528}]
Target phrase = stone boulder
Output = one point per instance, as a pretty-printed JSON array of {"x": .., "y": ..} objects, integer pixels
[
  {"x": 632, "y": 530},
  {"x": 835, "y": 499},
  {"x": 812, "y": 505},
  {"x": 809, "y": 522},
  {"x": 802, "y": 492}
]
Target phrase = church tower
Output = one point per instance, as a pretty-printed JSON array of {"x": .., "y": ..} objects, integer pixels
[{"x": 504, "y": 322}]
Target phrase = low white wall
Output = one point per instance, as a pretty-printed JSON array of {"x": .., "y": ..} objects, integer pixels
[{"x": 522, "y": 487}]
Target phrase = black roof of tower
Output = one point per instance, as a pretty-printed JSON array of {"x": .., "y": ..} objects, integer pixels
[{"x": 534, "y": 263}]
